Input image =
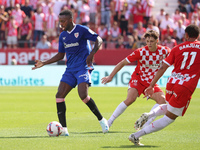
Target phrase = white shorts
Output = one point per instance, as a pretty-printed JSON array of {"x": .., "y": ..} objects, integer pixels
[
  {"x": 51, "y": 32},
  {"x": 176, "y": 111},
  {"x": 11, "y": 40}
]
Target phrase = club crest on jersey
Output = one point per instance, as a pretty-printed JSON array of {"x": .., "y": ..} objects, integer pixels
[{"x": 76, "y": 34}]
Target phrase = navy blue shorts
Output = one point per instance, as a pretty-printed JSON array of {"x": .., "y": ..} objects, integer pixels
[{"x": 74, "y": 78}]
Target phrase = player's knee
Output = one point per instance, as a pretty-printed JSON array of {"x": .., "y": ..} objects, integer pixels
[
  {"x": 129, "y": 101},
  {"x": 85, "y": 100},
  {"x": 161, "y": 100}
]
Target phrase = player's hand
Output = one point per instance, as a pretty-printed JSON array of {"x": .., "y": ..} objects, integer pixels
[
  {"x": 106, "y": 79},
  {"x": 149, "y": 91},
  {"x": 38, "y": 64}
]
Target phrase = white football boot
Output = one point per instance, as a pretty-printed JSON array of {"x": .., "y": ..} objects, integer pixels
[
  {"x": 104, "y": 125},
  {"x": 141, "y": 121},
  {"x": 134, "y": 140},
  {"x": 65, "y": 132}
]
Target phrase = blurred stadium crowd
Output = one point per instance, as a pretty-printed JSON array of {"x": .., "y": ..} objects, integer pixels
[{"x": 120, "y": 23}]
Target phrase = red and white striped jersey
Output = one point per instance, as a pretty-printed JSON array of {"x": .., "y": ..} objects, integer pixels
[
  {"x": 148, "y": 62},
  {"x": 18, "y": 15},
  {"x": 147, "y": 8},
  {"x": 38, "y": 21},
  {"x": 186, "y": 60},
  {"x": 11, "y": 30},
  {"x": 103, "y": 33},
  {"x": 51, "y": 21}
]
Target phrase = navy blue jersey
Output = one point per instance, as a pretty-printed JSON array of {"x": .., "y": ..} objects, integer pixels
[{"x": 76, "y": 46}]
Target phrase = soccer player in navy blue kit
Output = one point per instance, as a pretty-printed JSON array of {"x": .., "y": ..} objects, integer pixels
[{"x": 73, "y": 42}]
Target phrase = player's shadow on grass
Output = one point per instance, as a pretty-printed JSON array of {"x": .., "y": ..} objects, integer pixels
[
  {"x": 98, "y": 132},
  {"x": 130, "y": 146},
  {"x": 24, "y": 137}
]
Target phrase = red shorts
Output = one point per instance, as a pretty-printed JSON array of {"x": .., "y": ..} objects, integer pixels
[
  {"x": 136, "y": 83},
  {"x": 178, "y": 98}
]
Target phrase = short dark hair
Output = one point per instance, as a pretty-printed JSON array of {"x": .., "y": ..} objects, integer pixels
[
  {"x": 151, "y": 33},
  {"x": 192, "y": 31},
  {"x": 66, "y": 12}
]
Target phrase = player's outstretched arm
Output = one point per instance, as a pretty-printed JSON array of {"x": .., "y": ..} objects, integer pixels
[
  {"x": 149, "y": 91},
  {"x": 55, "y": 58},
  {"x": 118, "y": 67}
]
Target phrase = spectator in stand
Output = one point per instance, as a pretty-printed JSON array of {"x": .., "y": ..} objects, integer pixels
[
  {"x": 131, "y": 43},
  {"x": 27, "y": 8},
  {"x": 130, "y": 29},
  {"x": 166, "y": 21},
  {"x": 25, "y": 33},
  {"x": 3, "y": 19},
  {"x": 11, "y": 32},
  {"x": 166, "y": 33},
  {"x": 10, "y": 6},
  {"x": 184, "y": 6},
  {"x": 175, "y": 37},
  {"x": 135, "y": 36},
  {"x": 153, "y": 20},
  {"x": 58, "y": 4},
  {"x": 115, "y": 32},
  {"x": 150, "y": 26},
  {"x": 3, "y": 2},
  {"x": 186, "y": 22},
  {"x": 43, "y": 43},
  {"x": 147, "y": 6},
  {"x": 46, "y": 4},
  {"x": 140, "y": 29},
  {"x": 34, "y": 4},
  {"x": 197, "y": 6},
  {"x": 55, "y": 43},
  {"x": 169, "y": 42},
  {"x": 123, "y": 20},
  {"x": 85, "y": 13},
  {"x": 120, "y": 43},
  {"x": 106, "y": 13},
  {"x": 38, "y": 21},
  {"x": 137, "y": 14},
  {"x": 180, "y": 30},
  {"x": 94, "y": 9},
  {"x": 102, "y": 31},
  {"x": 195, "y": 20},
  {"x": 51, "y": 22},
  {"x": 18, "y": 14},
  {"x": 118, "y": 7},
  {"x": 176, "y": 16},
  {"x": 161, "y": 15}
]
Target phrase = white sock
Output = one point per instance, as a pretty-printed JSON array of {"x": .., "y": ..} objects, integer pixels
[
  {"x": 158, "y": 111},
  {"x": 118, "y": 111},
  {"x": 155, "y": 126},
  {"x": 152, "y": 118}
]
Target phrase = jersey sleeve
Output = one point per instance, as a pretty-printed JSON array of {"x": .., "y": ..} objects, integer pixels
[
  {"x": 61, "y": 48},
  {"x": 169, "y": 60},
  {"x": 89, "y": 34},
  {"x": 134, "y": 56}
]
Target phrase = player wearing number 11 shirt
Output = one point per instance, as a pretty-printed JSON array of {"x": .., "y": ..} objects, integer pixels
[
  {"x": 180, "y": 86},
  {"x": 149, "y": 60}
]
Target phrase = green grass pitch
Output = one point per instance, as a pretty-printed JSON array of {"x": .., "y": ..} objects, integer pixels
[{"x": 26, "y": 111}]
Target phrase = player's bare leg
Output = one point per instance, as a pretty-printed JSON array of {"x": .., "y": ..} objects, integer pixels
[
  {"x": 131, "y": 97},
  {"x": 83, "y": 94},
  {"x": 63, "y": 90}
]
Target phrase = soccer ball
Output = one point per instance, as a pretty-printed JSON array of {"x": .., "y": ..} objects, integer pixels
[{"x": 54, "y": 128}]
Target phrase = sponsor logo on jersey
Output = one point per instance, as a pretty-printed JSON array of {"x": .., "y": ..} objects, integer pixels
[
  {"x": 76, "y": 34},
  {"x": 71, "y": 45}
]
